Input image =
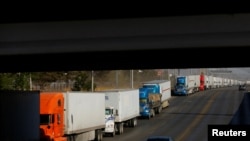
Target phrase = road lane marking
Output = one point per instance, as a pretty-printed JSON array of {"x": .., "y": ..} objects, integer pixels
[{"x": 197, "y": 119}]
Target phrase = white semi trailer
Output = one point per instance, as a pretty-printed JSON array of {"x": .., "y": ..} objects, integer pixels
[{"x": 122, "y": 109}]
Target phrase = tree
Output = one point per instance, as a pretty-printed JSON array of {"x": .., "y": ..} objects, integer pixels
[
  {"x": 81, "y": 82},
  {"x": 21, "y": 81},
  {"x": 6, "y": 81},
  {"x": 44, "y": 78}
]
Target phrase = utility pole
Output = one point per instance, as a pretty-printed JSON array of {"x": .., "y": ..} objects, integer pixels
[
  {"x": 92, "y": 80},
  {"x": 30, "y": 82},
  {"x": 132, "y": 78},
  {"x": 116, "y": 78}
]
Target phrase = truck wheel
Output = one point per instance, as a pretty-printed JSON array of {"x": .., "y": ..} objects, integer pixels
[
  {"x": 153, "y": 113},
  {"x": 70, "y": 138},
  {"x": 159, "y": 109},
  {"x": 120, "y": 128},
  {"x": 134, "y": 122},
  {"x": 149, "y": 116},
  {"x": 101, "y": 135},
  {"x": 113, "y": 134},
  {"x": 156, "y": 110},
  {"x": 130, "y": 123},
  {"x": 98, "y": 135}
]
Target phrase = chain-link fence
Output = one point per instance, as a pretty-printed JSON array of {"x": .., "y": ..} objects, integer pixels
[{"x": 122, "y": 79}]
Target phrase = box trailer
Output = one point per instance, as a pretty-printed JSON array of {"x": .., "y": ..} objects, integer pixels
[{"x": 122, "y": 109}]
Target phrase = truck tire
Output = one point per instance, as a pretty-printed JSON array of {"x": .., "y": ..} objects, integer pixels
[
  {"x": 120, "y": 128},
  {"x": 98, "y": 135},
  {"x": 159, "y": 109},
  {"x": 101, "y": 135},
  {"x": 153, "y": 112},
  {"x": 149, "y": 116},
  {"x": 113, "y": 134},
  {"x": 71, "y": 138},
  {"x": 134, "y": 122},
  {"x": 129, "y": 123},
  {"x": 156, "y": 110}
]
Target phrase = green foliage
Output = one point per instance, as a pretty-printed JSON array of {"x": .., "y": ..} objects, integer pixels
[
  {"x": 74, "y": 80},
  {"x": 14, "y": 81},
  {"x": 6, "y": 81},
  {"x": 43, "y": 79},
  {"x": 88, "y": 86},
  {"x": 82, "y": 83},
  {"x": 21, "y": 81}
]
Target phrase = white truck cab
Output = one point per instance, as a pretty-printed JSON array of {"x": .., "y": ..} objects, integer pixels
[{"x": 110, "y": 126}]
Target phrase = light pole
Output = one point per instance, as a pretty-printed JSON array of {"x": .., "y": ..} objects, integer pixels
[
  {"x": 116, "y": 78},
  {"x": 132, "y": 78},
  {"x": 66, "y": 81},
  {"x": 92, "y": 80},
  {"x": 30, "y": 83}
]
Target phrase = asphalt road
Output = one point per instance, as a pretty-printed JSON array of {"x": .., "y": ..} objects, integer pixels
[{"x": 187, "y": 118}]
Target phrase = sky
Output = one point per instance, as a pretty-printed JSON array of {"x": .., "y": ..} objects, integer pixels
[{"x": 241, "y": 73}]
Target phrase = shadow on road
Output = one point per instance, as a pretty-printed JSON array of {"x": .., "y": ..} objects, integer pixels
[{"x": 242, "y": 115}]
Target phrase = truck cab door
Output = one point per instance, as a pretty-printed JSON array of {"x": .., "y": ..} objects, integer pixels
[
  {"x": 58, "y": 125},
  {"x": 58, "y": 119}
]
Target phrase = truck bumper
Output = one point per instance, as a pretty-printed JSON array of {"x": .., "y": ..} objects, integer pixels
[
  {"x": 60, "y": 139},
  {"x": 180, "y": 93},
  {"x": 54, "y": 139},
  {"x": 108, "y": 130},
  {"x": 144, "y": 114}
]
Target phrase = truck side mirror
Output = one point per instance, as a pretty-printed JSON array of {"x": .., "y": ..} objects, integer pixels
[{"x": 116, "y": 112}]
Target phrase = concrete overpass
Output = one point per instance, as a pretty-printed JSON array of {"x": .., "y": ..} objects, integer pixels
[{"x": 175, "y": 40}]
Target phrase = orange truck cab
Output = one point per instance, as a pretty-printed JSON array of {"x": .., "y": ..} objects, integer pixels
[{"x": 52, "y": 116}]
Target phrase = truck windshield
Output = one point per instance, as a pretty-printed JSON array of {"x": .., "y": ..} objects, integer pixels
[
  {"x": 179, "y": 86},
  {"x": 143, "y": 101},
  {"x": 151, "y": 88},
  {"x": 181, "y": 80},
  {"x": 108, "y": 112},
  {"x": 45, "y": 119}
]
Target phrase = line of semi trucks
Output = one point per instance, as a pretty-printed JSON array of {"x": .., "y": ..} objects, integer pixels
[
  {"x": 84, "y": 116},
  {"x": 71, "y": 116},
  {"x": 189, "y": 84},
  {"x": 79, "y": 116}
]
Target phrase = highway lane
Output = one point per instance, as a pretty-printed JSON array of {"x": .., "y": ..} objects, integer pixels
[{"x": 187, "y": 118}]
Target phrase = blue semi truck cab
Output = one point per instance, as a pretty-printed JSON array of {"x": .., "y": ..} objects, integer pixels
[
  {"x": 186, "y": 85},
  {"x": 150, "y": 101},
  {"x": 144, "y": 103},
  {"x": 154, "y": 96},
  {"x": 180, "y": 87}
]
